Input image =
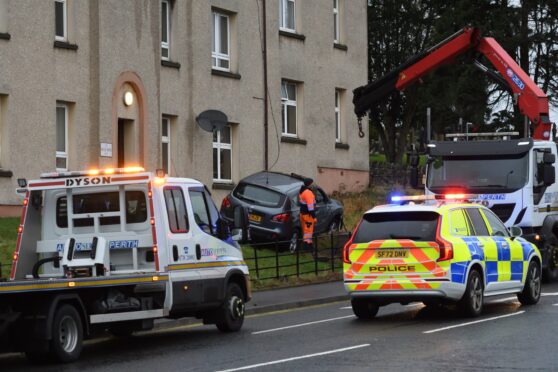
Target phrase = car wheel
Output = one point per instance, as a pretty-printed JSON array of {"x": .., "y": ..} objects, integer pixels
[
  {"x": 472, "y": 301},
  {"x": 550, "y": 273},
  {"x": 67, "y": 334},
  {"x": 364, "y": 308},
  {"x": 231, "y": 314},
  {"x": 532, "y": 290},
  {"x": 294, "y": 243}
]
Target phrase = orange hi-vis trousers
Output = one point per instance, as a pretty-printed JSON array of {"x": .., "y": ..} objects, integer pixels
[{"x": 307, "y": 222}]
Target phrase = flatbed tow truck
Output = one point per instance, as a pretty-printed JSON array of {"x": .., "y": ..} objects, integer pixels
[
  {"x": 515, "y": 178},
  {"x": 113, "y": 250}
]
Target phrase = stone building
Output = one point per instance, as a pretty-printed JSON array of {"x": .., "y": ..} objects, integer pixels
[{"x": 104, "y": 83}]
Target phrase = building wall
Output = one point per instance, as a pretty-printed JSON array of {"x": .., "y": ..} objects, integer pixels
[{"x": 118, "y": 50}]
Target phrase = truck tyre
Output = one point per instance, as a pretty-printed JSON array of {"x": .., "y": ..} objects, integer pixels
[
  {"x": 364, "y": 309},
  {"x": 472, "y": 302},
  {"x": 550, "y": 273},
  {"x": 67, "y": 334},
  {"x": 531, "y": 293},
  {"x": 230, "y": 315}
]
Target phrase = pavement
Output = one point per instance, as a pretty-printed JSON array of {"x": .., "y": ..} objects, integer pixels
[{"x": 279, "y": 299}]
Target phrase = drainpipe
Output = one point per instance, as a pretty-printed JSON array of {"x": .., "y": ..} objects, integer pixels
[{"x": 266, "y": 98}]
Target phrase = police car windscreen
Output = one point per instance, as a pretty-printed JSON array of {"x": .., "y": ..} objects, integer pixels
[
  {"x": 418, "y": 226},
  {"x": 259, "y": 195}
]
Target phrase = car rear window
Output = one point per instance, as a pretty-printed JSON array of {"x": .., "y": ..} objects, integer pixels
[
  {"x": 258, "y": 195},
  {"x": 418, "y": 226}
]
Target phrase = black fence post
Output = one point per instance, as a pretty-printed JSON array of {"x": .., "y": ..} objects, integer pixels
[
  {"x": 256, "y": 262},
  {"x": 298, "y": 246},
  {"x": 315, "y": 249},
  {"x": 332, "y": 252},
  {"x": 276, "y": 260}
]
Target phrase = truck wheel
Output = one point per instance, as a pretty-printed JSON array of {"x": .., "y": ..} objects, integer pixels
[
  {"x": 532, "y": 290},
  {"x": 472, "y": 301},
  {"x": 231, "y": 313},
  {"x": 364, "y": 308},
  {"x": 550, "y": 273},
  {"x": 67, "y": 334}
]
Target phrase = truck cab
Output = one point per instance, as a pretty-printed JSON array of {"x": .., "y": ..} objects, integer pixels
[
  {"x": 114, "y": 250},
  {"x": 514, "y": 178}
]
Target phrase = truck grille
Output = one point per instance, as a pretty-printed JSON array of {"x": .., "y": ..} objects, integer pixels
[{"x": 503, "y": 211}]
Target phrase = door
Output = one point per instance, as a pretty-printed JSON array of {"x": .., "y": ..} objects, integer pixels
[
  {"x": 185, "y": 278},
  {"x": 322, "y": 212},
  {"x": 510, "y": 252}
]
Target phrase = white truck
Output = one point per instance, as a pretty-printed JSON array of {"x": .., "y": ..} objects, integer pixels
[{"x": 113, "y": 250}]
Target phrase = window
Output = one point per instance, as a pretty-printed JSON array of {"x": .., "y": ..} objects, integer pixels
[
  {"x": 176, "y": 210},
  {"x": 337, "y": 115},
  {"x": 477, "y": 221},
  {"x": 497, "y": 227},
  {"x": 165, "y": 144},
  {"x": 61, "y": 137},
  {"x": 287, "y": 15},
  {"x": 288, "y": 109},
  {"x": 60, "y": 20},
  {"x": 418, "y": 226},
  {"x": 222, "y": 154},
  {"x": 336, "y": 21},
  {"x": 258, "y": 195},
  {"x": 165, "y": 30},
  {"x": 102, "y": 202},
  {"x": 458, "y": 223},
  {"x": 201, "y": 212},
  {"x": 220, "y": 43}
]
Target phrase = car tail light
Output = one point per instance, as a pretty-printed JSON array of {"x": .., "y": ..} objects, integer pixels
[
  {"x": 281, "y": 218},
  {"x": 226, "y": 203},
  {"x": 348, "y": 245},
  {"x": 446, "y": 248}
]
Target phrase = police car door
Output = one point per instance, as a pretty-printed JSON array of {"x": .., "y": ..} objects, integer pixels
[
  {"x": 185, "y": 279},
  {"x": 510, "y": 253},
  {"x": 212, "y": 251}
]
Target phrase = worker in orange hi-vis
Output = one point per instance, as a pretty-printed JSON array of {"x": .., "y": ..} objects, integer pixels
[{"x": 308, "y": 219}]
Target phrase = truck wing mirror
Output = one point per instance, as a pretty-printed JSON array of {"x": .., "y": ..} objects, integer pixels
[
  {"x": 241, "y": 223},
  {"x": 549, "y": 174},
  {"x": 549, "y": 158}
]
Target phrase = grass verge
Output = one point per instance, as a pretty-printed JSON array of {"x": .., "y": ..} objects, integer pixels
[{"x": 8, "y": 238}]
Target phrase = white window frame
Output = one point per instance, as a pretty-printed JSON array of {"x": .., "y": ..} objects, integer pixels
[
  {"x": 223, "y": 146},
  {"x": 165, "y": 44},
  {"x": 166, "y": 139},
  {"x": 283, "y": 10},
  {"x": 336, "y": 35},
  {"x": 215, "y": 55},
  {"x": 337, "y": 116},
  {"x": 285, "y": 102},
  {"x": 65, "y": 20},
  {"x": 62, "y": 154}
]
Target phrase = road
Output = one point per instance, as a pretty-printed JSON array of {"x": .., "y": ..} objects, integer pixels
[{"x": 506, "y": 337}]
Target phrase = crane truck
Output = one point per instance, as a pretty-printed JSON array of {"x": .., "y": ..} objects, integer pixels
[
  {"x": 114, "y": 250},
  {"x": 515, "y": 178}
]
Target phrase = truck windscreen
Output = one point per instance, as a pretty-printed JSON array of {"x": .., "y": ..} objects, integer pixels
[{"x": 478, "y": 174}]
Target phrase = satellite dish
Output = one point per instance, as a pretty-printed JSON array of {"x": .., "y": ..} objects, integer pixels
[{"x": 212, "y": 120}]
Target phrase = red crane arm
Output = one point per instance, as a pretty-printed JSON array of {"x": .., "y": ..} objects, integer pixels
[{"x": 531, "y": 100}]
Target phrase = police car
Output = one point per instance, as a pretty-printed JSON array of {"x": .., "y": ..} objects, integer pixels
[{"x": 445, "y": 250}]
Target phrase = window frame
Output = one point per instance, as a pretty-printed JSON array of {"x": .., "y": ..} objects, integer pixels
[
  {"x": 472, "y": 222},
  {"x": 283, "y": 10},
  {"x": 336, "y": 28},
  {"x": 206, "y": 208},
  {"x": 64, "y": 20},
  {"x": 487, "y": 213},
  {"x": 220, "y": 146},
  {"x": 216, "y": 55},
  {"x": 62, "y": 154},
  {"x": 166, "y": 44},
  {"x": 187, "y": 221},
  {"x": 285, "y": 103},
  {"x": 165, "y": 120},
  {"x": 338, "y": 115}
]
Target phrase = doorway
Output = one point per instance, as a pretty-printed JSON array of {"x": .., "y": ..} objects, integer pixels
[{"x": 127, "y": 152}]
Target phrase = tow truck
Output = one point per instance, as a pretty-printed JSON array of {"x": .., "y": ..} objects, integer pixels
[
  {"x": 515, "y": 178},
  {"x": 113, "y": 250}
]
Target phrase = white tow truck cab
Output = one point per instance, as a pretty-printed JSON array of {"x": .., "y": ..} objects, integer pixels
[
  {"x": 113, "y": 250},
  {"x": 516, "y": 179}
]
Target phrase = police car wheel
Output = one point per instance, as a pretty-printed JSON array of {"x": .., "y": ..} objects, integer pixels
[
  {"x": 472, "y": 301},
  {"x": 364, "y": 308},
  {"x": 231, "y": 313},
  {"x": 532, "y": 290},
  {"x": 67, "y": 335}
]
